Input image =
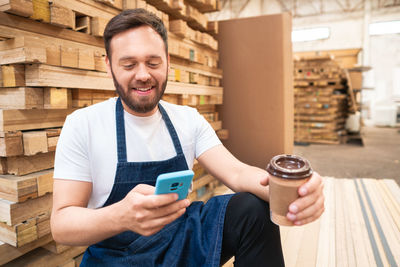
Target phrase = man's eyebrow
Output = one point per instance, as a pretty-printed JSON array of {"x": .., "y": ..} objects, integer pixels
[{"x": 132, "y": 58}]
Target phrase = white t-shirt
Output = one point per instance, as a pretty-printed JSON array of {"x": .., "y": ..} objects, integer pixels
[{"x": 87, "y": 147}]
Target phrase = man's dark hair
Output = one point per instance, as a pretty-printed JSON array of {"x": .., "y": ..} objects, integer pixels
[{"x": 133, "y": 18}]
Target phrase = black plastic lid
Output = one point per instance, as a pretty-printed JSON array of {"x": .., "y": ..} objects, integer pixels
[{"x": 289, "y": 167}]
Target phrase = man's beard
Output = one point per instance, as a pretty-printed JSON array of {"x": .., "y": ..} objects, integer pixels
[{"x": 139, "y": 106}]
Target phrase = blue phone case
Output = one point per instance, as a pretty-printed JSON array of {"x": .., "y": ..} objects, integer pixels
[{"x": 174, "y": 182}]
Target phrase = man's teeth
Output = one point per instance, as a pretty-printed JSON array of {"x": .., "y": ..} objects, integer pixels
[{"x": 143, "y": 89}]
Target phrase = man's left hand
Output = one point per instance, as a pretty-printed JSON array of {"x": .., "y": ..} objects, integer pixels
[{"x": 310, "y": 205}]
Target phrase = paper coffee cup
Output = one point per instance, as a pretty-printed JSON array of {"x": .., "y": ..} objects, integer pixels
[{"x": 287, "y": 174}]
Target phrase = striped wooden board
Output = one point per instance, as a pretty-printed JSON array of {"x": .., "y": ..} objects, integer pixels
[{"x": 360, "y": 227}]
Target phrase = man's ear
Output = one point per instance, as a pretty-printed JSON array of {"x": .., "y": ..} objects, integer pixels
[{"x": 108, "y": 65}]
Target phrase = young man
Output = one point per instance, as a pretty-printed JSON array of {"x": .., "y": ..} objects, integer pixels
[{"x": 110, "y": 154}]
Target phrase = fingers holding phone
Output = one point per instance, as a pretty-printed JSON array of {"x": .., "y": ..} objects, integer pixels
[{"x": 146, "y": 213}]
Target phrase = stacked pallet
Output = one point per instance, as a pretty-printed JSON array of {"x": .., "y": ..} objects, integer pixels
[
  {"x": 321, "y": 97},
  {"x": 52, "y": 63}
]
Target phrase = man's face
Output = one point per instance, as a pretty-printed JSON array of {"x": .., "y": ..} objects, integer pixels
[{"x": 139, "y": 68}]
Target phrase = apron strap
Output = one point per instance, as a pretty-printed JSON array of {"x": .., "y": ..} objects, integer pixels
[
  {"x": 171, "y": 130},
  {"x": 121, "y": 138}
]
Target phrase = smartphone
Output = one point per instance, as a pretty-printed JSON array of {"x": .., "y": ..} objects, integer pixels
[{"x": 174, "y": 182}]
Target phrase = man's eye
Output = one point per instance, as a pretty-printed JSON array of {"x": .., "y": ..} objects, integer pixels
[
  {"x": 129, "y": 66},
  {"x": 153, "y": 64}
]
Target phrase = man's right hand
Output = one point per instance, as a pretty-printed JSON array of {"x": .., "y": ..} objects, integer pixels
[{"x": 145, "y": 213}]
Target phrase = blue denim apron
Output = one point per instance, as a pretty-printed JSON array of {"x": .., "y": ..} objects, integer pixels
[{"x": 194, "y": 239}]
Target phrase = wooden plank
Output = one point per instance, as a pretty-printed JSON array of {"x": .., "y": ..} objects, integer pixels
[
  {"x": 53, "y": 54},
  {"x": 12, "y": 75},
  {"x": 78, "y": 260},
  {"x": 41, "y": 10},
  {"x": 16, "y": 22},
  {"x": 389, "y": 234},
  {"x": 21, "y": 165},
  {"x": 88, "y": 8},
  {"x": 52, "y": 76},
  {"x": 61, "y": 16},
  {"x": 308, "y": 253},
  {"x": 30, "y": 119},
  {"x": 19, "y": 234},
  {"x": 292, "y": 244},
  {"x": 3, "y": 165},
  {"x": 57, "y": 98},
  {"x": 17, "y": 188},
  {"x": 13, "y": 213},
  {"x": 212, "y": 27},
  {"x": 362, "y": 249},
  {"x": 23, "y": 55},
  {"x": 390, "y": 202},
  {"x": 346, "y": 245},
  {"x": 326, "y": 242},
  {"x": 69, "y": 263},
  {"x": 45, "y": 182},
  {"x": 373, "y": 234},
  {"x": 69, "y": 57},
  {"x": 53, "y": 132},
  {"x": 34, "y": 142},
  {"x": 43, "y": 224},
  {"x": 11, "y": 144},
  {"x": 99, "y": 61},
  {"x": 86, "y": 59},
  {"x": 8, "y": 252},
  {"x": 19, "y": 41},
  {"x": 21, "y": 98},
  {"x": 98, "y": 26},
  {"x": 22, "y": 8},
  {"x": 178, "y": 27},
  {"x": 199, "y": 68},
  {"x": 324, "y": 234},
  {"x": 394, "y": 188},
  {"x": 192, "y": 89},
  {"x": 190, "y": 68},
  {"x": 56, "y": 248},
  {"x": 113, "y": 3},
  {"x": 42, "y": 257}
]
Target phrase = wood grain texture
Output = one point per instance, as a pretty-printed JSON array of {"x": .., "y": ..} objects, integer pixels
[{"x": 13, "y": 213}]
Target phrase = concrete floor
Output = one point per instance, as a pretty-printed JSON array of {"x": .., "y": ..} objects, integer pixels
[{"x": 378, "y": 158}]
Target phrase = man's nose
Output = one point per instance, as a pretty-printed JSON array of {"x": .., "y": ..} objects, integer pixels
[{"x": 142, "y": 73}]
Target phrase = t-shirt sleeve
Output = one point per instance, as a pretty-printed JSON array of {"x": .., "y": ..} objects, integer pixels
[
  {"x": 206, "y": 137},
  {"x": 71, "y": 160}
]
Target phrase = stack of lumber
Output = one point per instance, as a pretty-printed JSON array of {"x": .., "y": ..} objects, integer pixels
[
  {"x": 360, "y": 227},
  {"x": 321, "y": 95},
  {"x": 52, "y": 63}
]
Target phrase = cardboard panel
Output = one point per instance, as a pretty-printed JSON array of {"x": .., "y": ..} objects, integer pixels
[{"x": 256, "y": 58}]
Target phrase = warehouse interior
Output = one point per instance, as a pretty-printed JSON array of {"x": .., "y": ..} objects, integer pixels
[{"x": 314, "y": 78}]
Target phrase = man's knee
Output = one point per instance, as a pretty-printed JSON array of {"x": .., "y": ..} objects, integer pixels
[{"x": 247, "y": 206}]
